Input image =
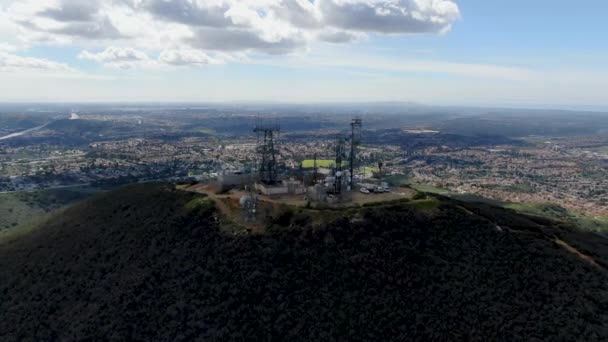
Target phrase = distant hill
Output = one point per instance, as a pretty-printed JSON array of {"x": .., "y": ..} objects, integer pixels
[
  {"x": 521, "y": 124},
  {"x": 151, "y": 263},
  {"x": 81, "y": 125},
  {"x": 11, "y": 123}
]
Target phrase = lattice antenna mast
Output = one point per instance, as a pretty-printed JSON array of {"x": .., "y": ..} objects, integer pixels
[
  {"x": 355, "y": 141},
  {"x": 315, "y": 170},
  {"x": 339, "y": 173},
  {"x": 267, "y": 150}
]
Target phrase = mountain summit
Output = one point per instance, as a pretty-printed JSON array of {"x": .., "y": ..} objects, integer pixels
[{"x": 152, "y": 263}]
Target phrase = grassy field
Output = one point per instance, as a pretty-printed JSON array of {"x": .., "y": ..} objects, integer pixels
[
  {"x": 22, "y": 208},
  {"x": 329, "y": 163},
  {"x": 370, "y": 170},
  {"x": 325, "y": 163}
]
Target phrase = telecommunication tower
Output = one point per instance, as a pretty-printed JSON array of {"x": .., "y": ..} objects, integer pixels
[
  {"x": 267, "y": 135},
  {"x": 355, "y": 141},
  {"x": 339, "y": 169},
  {"x": 315, "y": 173}
]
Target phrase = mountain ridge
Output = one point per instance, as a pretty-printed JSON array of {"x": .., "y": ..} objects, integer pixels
[{"x": 150, "y": 262}]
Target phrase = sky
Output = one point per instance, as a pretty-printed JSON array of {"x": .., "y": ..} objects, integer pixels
[{"x": 537, "y": 53}]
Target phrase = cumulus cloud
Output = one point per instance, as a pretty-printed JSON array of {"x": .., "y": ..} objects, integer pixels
[
  {"x": 11, "y": 62},
  {"x": 300, "y": 13},
  {"x": 71, "y": 10},
  {"x": 120, "y": 58},
  {"x": 390, "y": 16},
  {"x": 102, "y": 29},
  {"x": 339, "y": 36},
  {"x": 67, "y": 19},
  {"x": 115, "y": 54},
  {"x": 239, "y": 40},
  {"x": 222, "y": 26},
  {"x": 186, "y": 57},
  {"x": 189, "y": 12},
  {"x": 129, "y": 58}
]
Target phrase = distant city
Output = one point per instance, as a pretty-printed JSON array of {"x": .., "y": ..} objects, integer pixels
[{"x": 524, "y": 159}]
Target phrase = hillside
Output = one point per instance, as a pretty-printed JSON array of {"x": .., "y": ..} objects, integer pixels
[
  {"x": 24, "y": 208},
  {"x": 151, "y": 263}
]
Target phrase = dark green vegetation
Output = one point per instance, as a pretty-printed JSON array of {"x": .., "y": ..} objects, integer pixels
[
  {"x": 412, "y": 141},
  {"x": 526, "y": 122},
  {"x": 151, "y": 263},
  {"x": 556, "y": 212},
  {"x": 544, "y": 210},
  {"x": 23, "y": 208},
  {"x": 11, "y": 123}
]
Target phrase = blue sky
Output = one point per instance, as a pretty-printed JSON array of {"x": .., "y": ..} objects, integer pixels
[{"x": 468, "y": 52}]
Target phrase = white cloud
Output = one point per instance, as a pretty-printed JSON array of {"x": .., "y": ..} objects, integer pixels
[
  {"x": 71, "y": 10},
  {"x": 10, "y": 62},
  {"x": 63, "y": 21},
  {"x": 214, "y": 39},
  {"x": 390, "y": 16},
  {"x": 340, "y": 36},
  {"x": 235, "y": 26},
  {"x": 186, "y": 57},
  {"x": 300, "y": 13},
  {"x": 121, "y": 58},
  {"x": 114, "y": 54},
  {"x": 7, "y": 47},
  {"x": 188, "y": 12},
  {"x": 129, "y": 58}
]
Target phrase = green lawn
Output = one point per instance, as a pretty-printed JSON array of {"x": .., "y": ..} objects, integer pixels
[
  {"x": 325, "y": 163},
  {"x": 371, "y": 170}
]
